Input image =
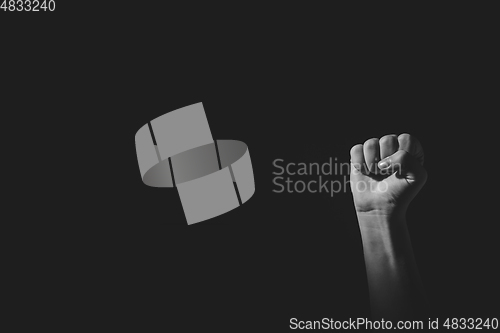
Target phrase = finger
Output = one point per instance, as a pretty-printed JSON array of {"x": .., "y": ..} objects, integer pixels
[
  {"x": 405, "y": 165},
  {"x": 371, "y": 150},
  {"x": 411, "y": 145},
  {"x": 358, "y": 159},
  {"x": 388, "y": 145}
]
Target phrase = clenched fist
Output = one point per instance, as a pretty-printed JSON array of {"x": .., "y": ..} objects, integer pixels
[{"x": 386, "y": 174}]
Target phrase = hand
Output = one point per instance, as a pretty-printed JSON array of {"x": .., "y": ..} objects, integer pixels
[{"x": 386, "y": 174}]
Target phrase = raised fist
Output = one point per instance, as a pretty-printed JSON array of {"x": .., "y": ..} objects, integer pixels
[{"x": 386, "y": 174}]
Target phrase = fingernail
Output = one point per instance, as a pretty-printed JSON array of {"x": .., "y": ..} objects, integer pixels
[{"x": 383, "y": 164}]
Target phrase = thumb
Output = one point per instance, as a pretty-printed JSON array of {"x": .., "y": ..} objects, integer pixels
[{"x": 405, "y": 165}]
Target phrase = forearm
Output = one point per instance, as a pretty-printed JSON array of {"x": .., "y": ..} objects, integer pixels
[{"x": 393, "y": 280}]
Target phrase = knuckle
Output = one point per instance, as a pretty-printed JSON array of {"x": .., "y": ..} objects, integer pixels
[
  {"x": 371, "y": 142},
  {"x": 404, "y": 137},
  {"x": 356, "y": 149},
  {"x": 388, "y": 139}
]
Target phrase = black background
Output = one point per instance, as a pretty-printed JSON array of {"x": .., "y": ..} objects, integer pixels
[{"x": 297, "y": 84}]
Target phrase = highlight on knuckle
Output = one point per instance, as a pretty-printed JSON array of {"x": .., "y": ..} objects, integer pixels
[
  {"x": 404, "y": 137},
  {"x": 356, "y": 149},
  {"x": 371, "y": 142},
  {"x": 387, "y": 139}
]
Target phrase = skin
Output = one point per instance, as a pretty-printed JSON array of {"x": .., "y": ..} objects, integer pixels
[{"x": 386, "y": 174}]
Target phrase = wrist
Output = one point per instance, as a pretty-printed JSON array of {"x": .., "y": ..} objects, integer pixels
[
  {"x": 387, "y": 213},
  {"x": 384, "y": 235},
  {"x": 381, "y": 224}
]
